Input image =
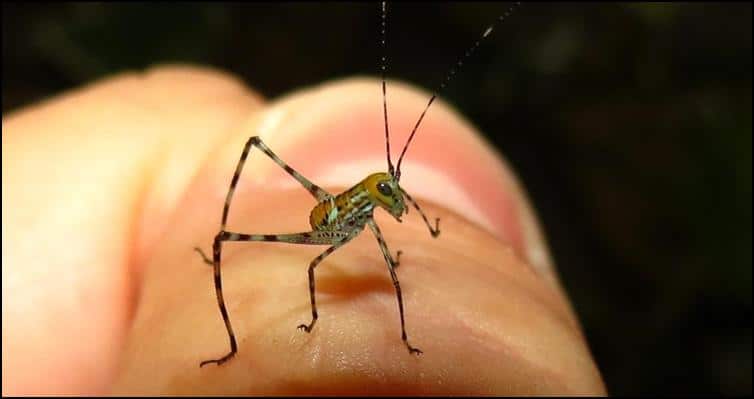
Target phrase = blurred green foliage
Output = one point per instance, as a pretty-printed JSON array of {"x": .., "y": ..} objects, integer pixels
[{"x": 630, "y": 125}]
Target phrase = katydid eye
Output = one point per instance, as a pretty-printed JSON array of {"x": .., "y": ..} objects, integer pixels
[{"x": 384, "y": 189}]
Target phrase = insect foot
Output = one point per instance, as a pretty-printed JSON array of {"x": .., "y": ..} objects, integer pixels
[
  {"x": 436, "y": 231},
  {"x": 397, "y": 261},
  {"x": 415, "y": 351},
  {"x": 217, "y": 361},
  {"x": 204, "y": 257},
  {"x": 307, "y": 328}
]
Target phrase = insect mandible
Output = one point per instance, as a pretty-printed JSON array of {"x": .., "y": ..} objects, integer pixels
[{"x": 337, "y": 219}]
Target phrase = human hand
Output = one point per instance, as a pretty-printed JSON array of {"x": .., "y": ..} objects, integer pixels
[{"x": 107, "y": 189}]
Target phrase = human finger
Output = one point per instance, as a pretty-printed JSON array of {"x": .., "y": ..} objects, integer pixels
[{"x": 490, "y": 321}]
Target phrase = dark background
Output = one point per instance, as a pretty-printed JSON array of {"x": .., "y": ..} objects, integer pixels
[{"x": 629, "y": 124}]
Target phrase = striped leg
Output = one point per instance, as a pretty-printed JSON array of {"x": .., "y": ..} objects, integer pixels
[
  {"x": 216, "y": 248},
  {"x": 312, "y": 265},
  {"x": 436, "y": 231},
  {"x": 389, "y": 260},
  {"x": 308, "y": 238},
  {"x": 315, "y": 190}
]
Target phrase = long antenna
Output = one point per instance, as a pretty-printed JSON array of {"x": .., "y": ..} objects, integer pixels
[
  {"x": 390, "y": 167},
  {"x": 449, "y": 76}
]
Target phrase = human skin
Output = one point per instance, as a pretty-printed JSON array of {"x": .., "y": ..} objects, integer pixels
[{"x": 107, "y": 188}]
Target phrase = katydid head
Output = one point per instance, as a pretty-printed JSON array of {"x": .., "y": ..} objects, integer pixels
[{"x": 386, "y": 193}]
